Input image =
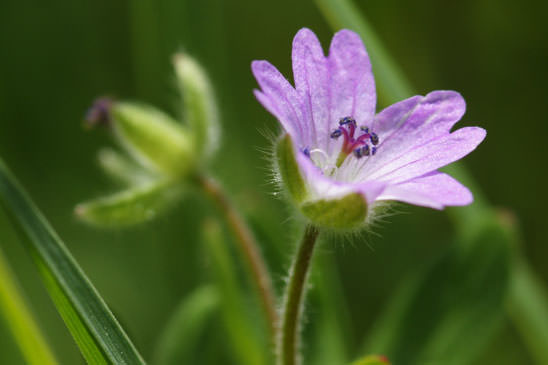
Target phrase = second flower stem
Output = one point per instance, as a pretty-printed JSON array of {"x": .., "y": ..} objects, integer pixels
[
  {"x": 248, "y": 248},
  {"x": 289, "y": 333}
]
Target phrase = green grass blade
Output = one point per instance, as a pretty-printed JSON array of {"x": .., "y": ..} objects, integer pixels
[
  {"x": 27, "y": 335},
  {"x": 94, "y": 328},
  {"x": 331, "y": 338},
  {"x": 177, "y": 343},
  {"x": 245, "y": 339},
  {"x": 528, "y": 307}
]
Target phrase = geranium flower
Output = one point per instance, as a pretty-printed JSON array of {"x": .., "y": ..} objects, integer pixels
[{"x": 344, "y": 151}]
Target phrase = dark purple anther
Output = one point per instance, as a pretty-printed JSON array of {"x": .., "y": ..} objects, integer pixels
[
  {"x": 365, "y": 129},
  {"x": 306, "y": 151},
  {"x": 374, "y": 139},
  {"x": 336, "y": 133},
  {"x": 373, "y": 151},
  {"x": 347, "y": 120}
]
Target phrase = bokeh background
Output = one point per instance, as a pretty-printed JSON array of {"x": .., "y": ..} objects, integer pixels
[{"x": 57, "y": 56}]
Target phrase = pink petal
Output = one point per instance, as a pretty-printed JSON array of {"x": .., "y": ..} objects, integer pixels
[
  {"x": 280, "y": 99},
  {"x": 411, "y": 123},
  {"x": 324, "y": 187},
  {"x": 430, "y": 156},
  {"x": 434, "y": 190},
  {"x": 352, "y": 83},
  {"x": 311, "y": 81}
]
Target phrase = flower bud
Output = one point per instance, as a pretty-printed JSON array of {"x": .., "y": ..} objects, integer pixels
[
  {"x": 199, "y": 106},
  {"x": 344, "y": 212},
  {"x": 153, "y": 138}
]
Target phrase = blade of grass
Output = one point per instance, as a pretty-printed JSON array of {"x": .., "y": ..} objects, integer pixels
[
  {"x": 95, "y": 330},
  {"x": 20, "y": 321},
  {"x": 177, "y": 344},
  {"x": 245, "y": 338},
  {"x": 528, "y": 308}
]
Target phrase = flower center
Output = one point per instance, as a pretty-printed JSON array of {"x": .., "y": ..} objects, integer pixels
[
  {"x": 356, "y": 145},
  {"x": 352, "y": 144}
]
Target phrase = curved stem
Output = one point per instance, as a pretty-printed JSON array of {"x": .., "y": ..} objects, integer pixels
[
  {"x": 248, "y": 248},
  {"x": 294, "y": 294}
]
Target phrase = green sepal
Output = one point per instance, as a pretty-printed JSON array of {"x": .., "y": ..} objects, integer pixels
[
  {"x": 123, "y": 169},
  {"x": 348, "y": 212},
  {"x": 199, "y": 105},
  {"x": 372, "y": 360},
  {"x": 153, "y": 138},
  {"x": 131, "y": 206},
  {"x": 289, "y": 169}
]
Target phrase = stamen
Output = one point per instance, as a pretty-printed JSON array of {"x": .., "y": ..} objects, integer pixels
[
  {"x": 374, "y": 139},
  {"x": 347, "y": 120},
  {"x": 336, "y": 133},
  {"x": 359, "y": 146},
  {"x": 306, "y": 151}
]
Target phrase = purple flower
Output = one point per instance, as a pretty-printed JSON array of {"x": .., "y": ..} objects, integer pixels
[{"x": 342, "y": 146}]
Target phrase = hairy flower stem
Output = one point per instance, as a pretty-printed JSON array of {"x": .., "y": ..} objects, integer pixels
[
  {"x": 294, "y": 294},
  {"x": 248, "y": 248}
]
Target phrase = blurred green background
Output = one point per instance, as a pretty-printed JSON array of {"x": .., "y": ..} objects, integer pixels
[{"x": 57, "y": 56}]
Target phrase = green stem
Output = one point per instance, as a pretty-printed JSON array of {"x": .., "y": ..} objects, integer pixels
[
  {"x": 248, "y": 248},
  {"x": 289, "y": 338},
  {"x": 28, "y": 336}
]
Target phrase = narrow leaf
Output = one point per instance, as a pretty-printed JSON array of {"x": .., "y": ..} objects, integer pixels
[
  {"x": 20, "y": 321},
  {"x": 331, "y": 337},
  {"x": 97, "y": 333},
  {"x": 177, "y": 344},
  {"x": 245, "y": 339},
  {"x": 528, "y": 307}
]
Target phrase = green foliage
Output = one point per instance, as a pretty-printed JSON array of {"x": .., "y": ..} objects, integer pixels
[
  {"x": 14, "y": 309},
  {"x": 244, "y": 337},
  {"x": 97, "y": 333},
  {"x": 528, "y": 304},
  {"x": 448, "y": 313},
  {"x": 179, "y": 340}
]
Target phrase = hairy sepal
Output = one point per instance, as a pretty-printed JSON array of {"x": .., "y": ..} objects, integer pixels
[{"x": 347, "y": 212}]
